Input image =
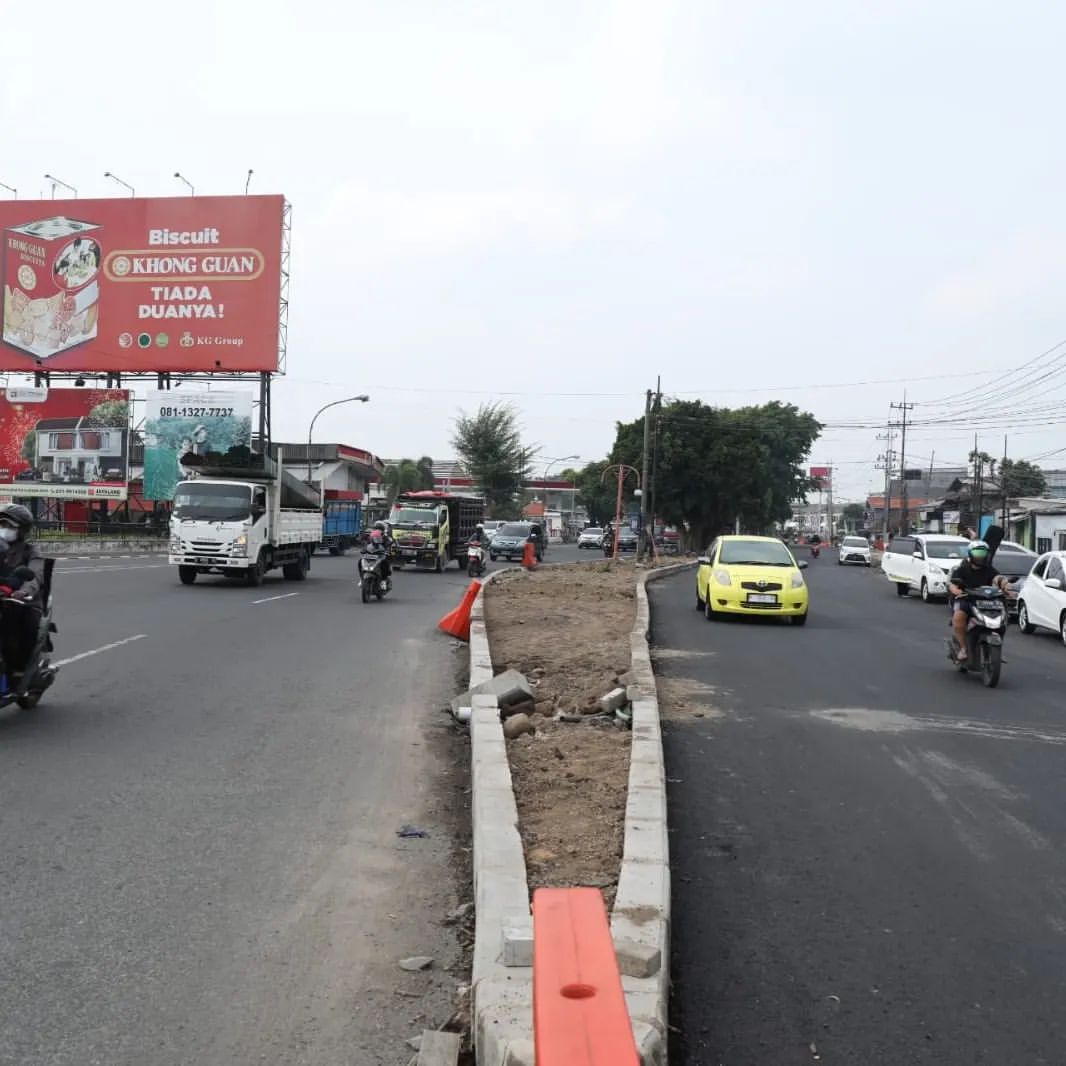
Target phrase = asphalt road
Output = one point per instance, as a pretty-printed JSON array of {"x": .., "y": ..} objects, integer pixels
[
  {"x": 200, "y": 861},
  {"x": 867, "y": 847}
]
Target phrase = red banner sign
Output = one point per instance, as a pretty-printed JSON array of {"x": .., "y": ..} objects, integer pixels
[
  {"x": 64, "y": 444},
  {"x": 141, "y": 285}
]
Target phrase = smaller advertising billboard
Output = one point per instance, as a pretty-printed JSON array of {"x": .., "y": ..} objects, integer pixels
[
  {"x": 64, "y": 444},
  {"x": 186, "y": 428}
]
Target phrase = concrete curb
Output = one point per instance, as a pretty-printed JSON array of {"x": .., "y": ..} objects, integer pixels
[
  {"x": 640, "y": 921},
  {"x": 502, "y": 994},
  {"x": 98, "y": 547}
]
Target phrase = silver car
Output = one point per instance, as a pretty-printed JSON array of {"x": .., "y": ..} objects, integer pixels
[{"x": 591, "y": 537}]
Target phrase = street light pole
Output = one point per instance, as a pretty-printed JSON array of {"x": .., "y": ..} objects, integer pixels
[
  {"x": 623, "y": 472},
  {"x": 362, "y": 398},
  {"x": 55, "y": 181},
  {"x": 10, "y": 188},
  {"x": 544, "y": 476},
  {"x": 182, "y": 178},
  {"x": 115, "y": 177}
]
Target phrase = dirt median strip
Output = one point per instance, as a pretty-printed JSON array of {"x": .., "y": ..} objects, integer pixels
[{"x": 568, "y": 629}]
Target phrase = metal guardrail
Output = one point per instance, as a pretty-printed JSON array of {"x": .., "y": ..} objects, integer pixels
[{"x": 83, "y": 529}]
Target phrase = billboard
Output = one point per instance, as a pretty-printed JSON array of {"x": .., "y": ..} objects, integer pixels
[
  {"x": 64, "y": 444},
  {"x": 185, "y": 428},
  {"x": 141, "y": 285}
]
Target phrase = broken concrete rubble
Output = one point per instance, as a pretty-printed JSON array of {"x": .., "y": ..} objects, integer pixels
[{"x": 509, "y": 688}]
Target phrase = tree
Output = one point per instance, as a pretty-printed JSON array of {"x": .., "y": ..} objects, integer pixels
[
  {"x": 408, "y": 475},
  {"x": 1019, "y": 477},
  {"x": 854, "y": 514},
  {"x": 596, "y": 497},
  {"x": 718, "y": 466},
  {"x": 490, "y": 445},
  {"x": 111, "y": 413}
]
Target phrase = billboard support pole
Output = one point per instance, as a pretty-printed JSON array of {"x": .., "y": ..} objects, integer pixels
[{"x": 264, "y": 413}]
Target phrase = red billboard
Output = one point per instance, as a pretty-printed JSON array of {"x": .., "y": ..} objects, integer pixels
[
  {"x": 141, "y": 285},
  {"x": 64, "y": 444}
]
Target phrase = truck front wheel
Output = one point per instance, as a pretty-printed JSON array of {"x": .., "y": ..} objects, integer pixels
[
  {"x": 256, "y": 571},
  {"x": 187, "y": 574}
]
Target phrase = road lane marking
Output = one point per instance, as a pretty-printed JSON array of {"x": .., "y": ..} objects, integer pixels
[
  {"x": 98, "y": 651},
  {"x": 65, "y": 570},
  {"x": 271, "y": 599}
]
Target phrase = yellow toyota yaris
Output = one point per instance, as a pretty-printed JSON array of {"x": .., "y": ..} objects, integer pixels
[{"x": 751, "y": 575}]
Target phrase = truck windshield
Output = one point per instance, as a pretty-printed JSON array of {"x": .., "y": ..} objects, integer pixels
[
  {"x": 413, "y": 516},
  {"x": 212, "y": 502}
]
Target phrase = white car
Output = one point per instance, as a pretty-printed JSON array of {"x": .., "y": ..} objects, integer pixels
[
  {"x": 923, "y": 562},
  {"x": 854, "y": 550},
  {"x": 591, "y": 537},
  {"x": 1043, "y": 599}
]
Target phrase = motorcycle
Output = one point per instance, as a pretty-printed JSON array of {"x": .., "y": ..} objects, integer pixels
[
  {"x": 372, "y": 581},
  {"x": 816, "y": 550},
  {"x": 475, "y": 558},
  {"x": 40, "y": 673},
  {"x": 984, "y": 635}
]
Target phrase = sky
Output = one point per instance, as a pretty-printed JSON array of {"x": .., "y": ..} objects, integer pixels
[{"x": 552, "y": 204}]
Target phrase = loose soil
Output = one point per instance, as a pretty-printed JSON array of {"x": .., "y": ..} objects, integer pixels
[{"x": 567, "y": 629}]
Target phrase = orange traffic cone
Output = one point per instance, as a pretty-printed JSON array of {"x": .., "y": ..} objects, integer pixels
[
  {"x": 529, "y": 556},
  {"x": 457, "y": 623}
]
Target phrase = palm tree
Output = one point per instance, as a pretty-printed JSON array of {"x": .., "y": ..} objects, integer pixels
[{"x": 408, "y": 476}]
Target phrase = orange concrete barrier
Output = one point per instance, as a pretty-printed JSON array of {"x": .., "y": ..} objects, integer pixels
[
  {"x": 579, "y": 1008},
  {"x": 529, "y": 556},
  {"x": 457, "y": 623}
]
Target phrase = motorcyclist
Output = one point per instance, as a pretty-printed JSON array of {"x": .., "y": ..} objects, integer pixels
[
  {"x": 479, "y": 536},
  {"x": 975, "y": 571},
  {"x": 380, "y": 544},
  {"x": 21, "y": 588}
]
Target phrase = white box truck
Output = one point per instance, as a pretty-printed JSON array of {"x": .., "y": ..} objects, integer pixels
[{"x": 243, "y": 522}]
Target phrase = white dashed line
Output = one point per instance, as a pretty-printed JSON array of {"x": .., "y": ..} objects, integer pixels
[
  {"x": 97, "y": 651},
  {"x": 271, "y": 599}
]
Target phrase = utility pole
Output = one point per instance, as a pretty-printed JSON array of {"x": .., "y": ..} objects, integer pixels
[
  {"x": 886, "y": 461},
  {"x": 829, "y": 515},
  {"x": 656, "y": 425},
  {"x": 644, "y": 479},
  {"x": 904, "y": 407},
  {"x": 1003, "y": 486}
]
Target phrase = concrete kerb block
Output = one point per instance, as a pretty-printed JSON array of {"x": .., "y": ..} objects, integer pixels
[{"x": 517, "y": 947}]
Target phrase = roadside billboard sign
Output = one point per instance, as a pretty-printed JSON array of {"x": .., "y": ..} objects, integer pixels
[
  {"x": 183, "y": 428},
  {"x": 141, "y": 285},
  {"x": 64, "y": 444}
]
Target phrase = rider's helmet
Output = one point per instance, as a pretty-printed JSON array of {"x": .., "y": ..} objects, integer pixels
[
  {"x": 381, "y": 527},
  {"x": 15, "y": 516},
  {"x": 481, "y": 527},
  {"x": 979, "y": 551}
]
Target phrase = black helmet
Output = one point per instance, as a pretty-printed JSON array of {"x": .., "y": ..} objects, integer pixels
[
  {"x": 383, "y": 526},
  {"x": 21, "y": 517}
]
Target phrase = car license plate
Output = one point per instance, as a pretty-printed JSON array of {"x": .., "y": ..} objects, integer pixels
[
  {"x": 410, "y": 553},
  {"x": 761, "y": 597}
]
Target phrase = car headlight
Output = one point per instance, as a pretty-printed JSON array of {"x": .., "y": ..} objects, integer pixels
[
  {"x": 722, "y": 577},
  {"x": 240, "y": 544},
  {"x": 175, "y": 544},
  {"x": 797, "y": 580}
]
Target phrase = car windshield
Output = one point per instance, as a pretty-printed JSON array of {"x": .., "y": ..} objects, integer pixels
[
  {"x": 945, "y": 549},
  {"x": 207, "y": 502},
  {"x": 592, "y": 531},
  {"x": 755, "y": 553},
  {"x": 855, "y": 542},
  {"x": 1013, "y": 563},
  {"x": 514, "y": 529},
  {"x": 413, "y": 516}
]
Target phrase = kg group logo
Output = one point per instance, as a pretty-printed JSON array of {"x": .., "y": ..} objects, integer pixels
[
  {"x": 125, "y": 340},
  {"x": 121, "y": 266}
]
